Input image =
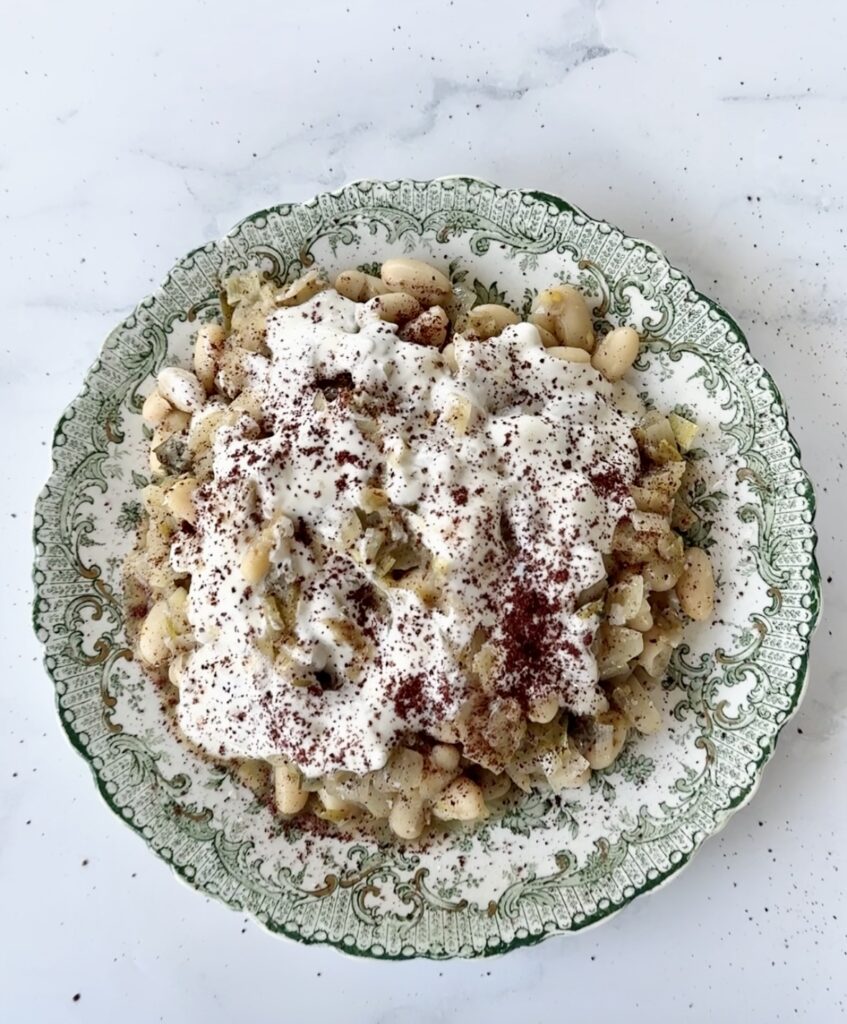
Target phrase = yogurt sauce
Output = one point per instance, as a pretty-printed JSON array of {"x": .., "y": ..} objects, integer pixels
[{"x": 505, "y": 479}]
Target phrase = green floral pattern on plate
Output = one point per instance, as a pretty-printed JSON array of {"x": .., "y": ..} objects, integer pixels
[{"x": 545, "y": 864}]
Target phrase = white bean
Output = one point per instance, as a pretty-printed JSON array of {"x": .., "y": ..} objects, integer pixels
[
  {"x": 461, "y": 801},
  {"x": 695, "y": 588},
  {"x": 396, "y": 307},
  {"x": 494, "y": 786},
  {"x": 174, "y": 423},
  {"x": 427, "y": 284},
  {"x": 232, "y": 372},
  {"x": 254, "y": 774},
  {"x": 563, "y": 311},
  {"x": 176, "y": 670},
  {"x": 616, "y": 353},
  {"x": 249, "y": 403},
  {"x": 434, "y": 781},
  {"x": 407, "y": 818},
  {"x": 610, "y": 732},
  {"x": 289, "y": 796},
  {"x": 445, "y": 756},
  {"x": 156, "y": 407},
  {"x": 569, "y": 354},
  {"x": 182, "y": 389},
  {"x": 574, "y": 321},
  {"x": 154, "y": 637},
  {"x": 207, "y": 351},
  {"x": 430, "y": 328},
  {"x": 548, "y": 339},
  {"x": 179, "y": 500},
  {"x": 660, "y": 575},
  {"x": 449, "y": 355},
  {"x": 257, "y": 560},
  {"x": 543, "y": 710},
  {"x": 358, "y": 286},
  {"x": 545, "y": 321},
  {"x": 489, "y": 320}
]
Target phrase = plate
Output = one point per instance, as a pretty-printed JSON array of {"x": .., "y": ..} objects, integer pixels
[{"x": 549, "y": 864}]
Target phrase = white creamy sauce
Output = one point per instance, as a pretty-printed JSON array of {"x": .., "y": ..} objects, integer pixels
[{"x": 509, "y": 475}]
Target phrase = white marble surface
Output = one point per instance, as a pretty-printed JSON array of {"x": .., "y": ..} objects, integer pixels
[{"x": 132, "y": 132}]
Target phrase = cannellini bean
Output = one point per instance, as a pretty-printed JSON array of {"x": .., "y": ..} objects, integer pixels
[
  {"x": 289, "y": 796},
  {"x": 156, "y": 407},
  {"x": 445, "y": 756},
  {"x": 179, "y": 500},
  {"x": 358, "y": 286},
  {"x": 434, "y": 781},
  {"x": 181, "y": 388},
  {"x": 489, "y": 319},
  {"x": 449, "y": 354},
  {"x": 494, "y": 786},
  {"x": 543, "y": 710},
  {"x": 427, "y": 284},
  {"x": 178, "y": 623},
  {"x": 660, "y": 575},
  {"x": 336, "y": 805},
  {"x": 404, "y": 770},
  {"x": 257, "y": 560},
  {"x": 545, "y": 321},
  {"x": 304, "y": 288},
  {"x": 203, "y": 426},
  {"x": 569, "y": 354},
  {"x": 695, "y": 588},
  {"x": 563, "y": 311},
  {"x": 461, "y": 801},
  {"x": 174, "y": 423},
  {"x": 429, "y": 328},
  {"x": 249, "y": 403},
  {"x": 396, "y": 307},
  {"x": 254, "y": 774},
  {"x": 154, "y": 637},
  {"x": 176, "y": 670},
  {"x": 232, "y": 373},
  {"x": 548, "y": 339},
  {"x": 208, "y": 346},
  {"x": 407, "y": 818},
  {"x": 616, "y": 353},
  {"x": 459, "y": 414},
  {"x": 610, "y": 730}
]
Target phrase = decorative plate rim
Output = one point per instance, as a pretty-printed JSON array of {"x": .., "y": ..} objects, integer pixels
[{"x": 721, "y": 817}]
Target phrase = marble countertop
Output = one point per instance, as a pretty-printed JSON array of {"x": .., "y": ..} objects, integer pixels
[{"x": 132, "y": 133}]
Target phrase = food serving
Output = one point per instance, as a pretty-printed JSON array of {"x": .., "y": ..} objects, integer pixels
[
  {"x": 141, "y": 520},
  {"x": 401, "y": 556}
]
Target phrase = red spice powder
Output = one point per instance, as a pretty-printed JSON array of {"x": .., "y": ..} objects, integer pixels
[
  {"x": 609, "y": 483},
  {"x": 408, "y": 697}
]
